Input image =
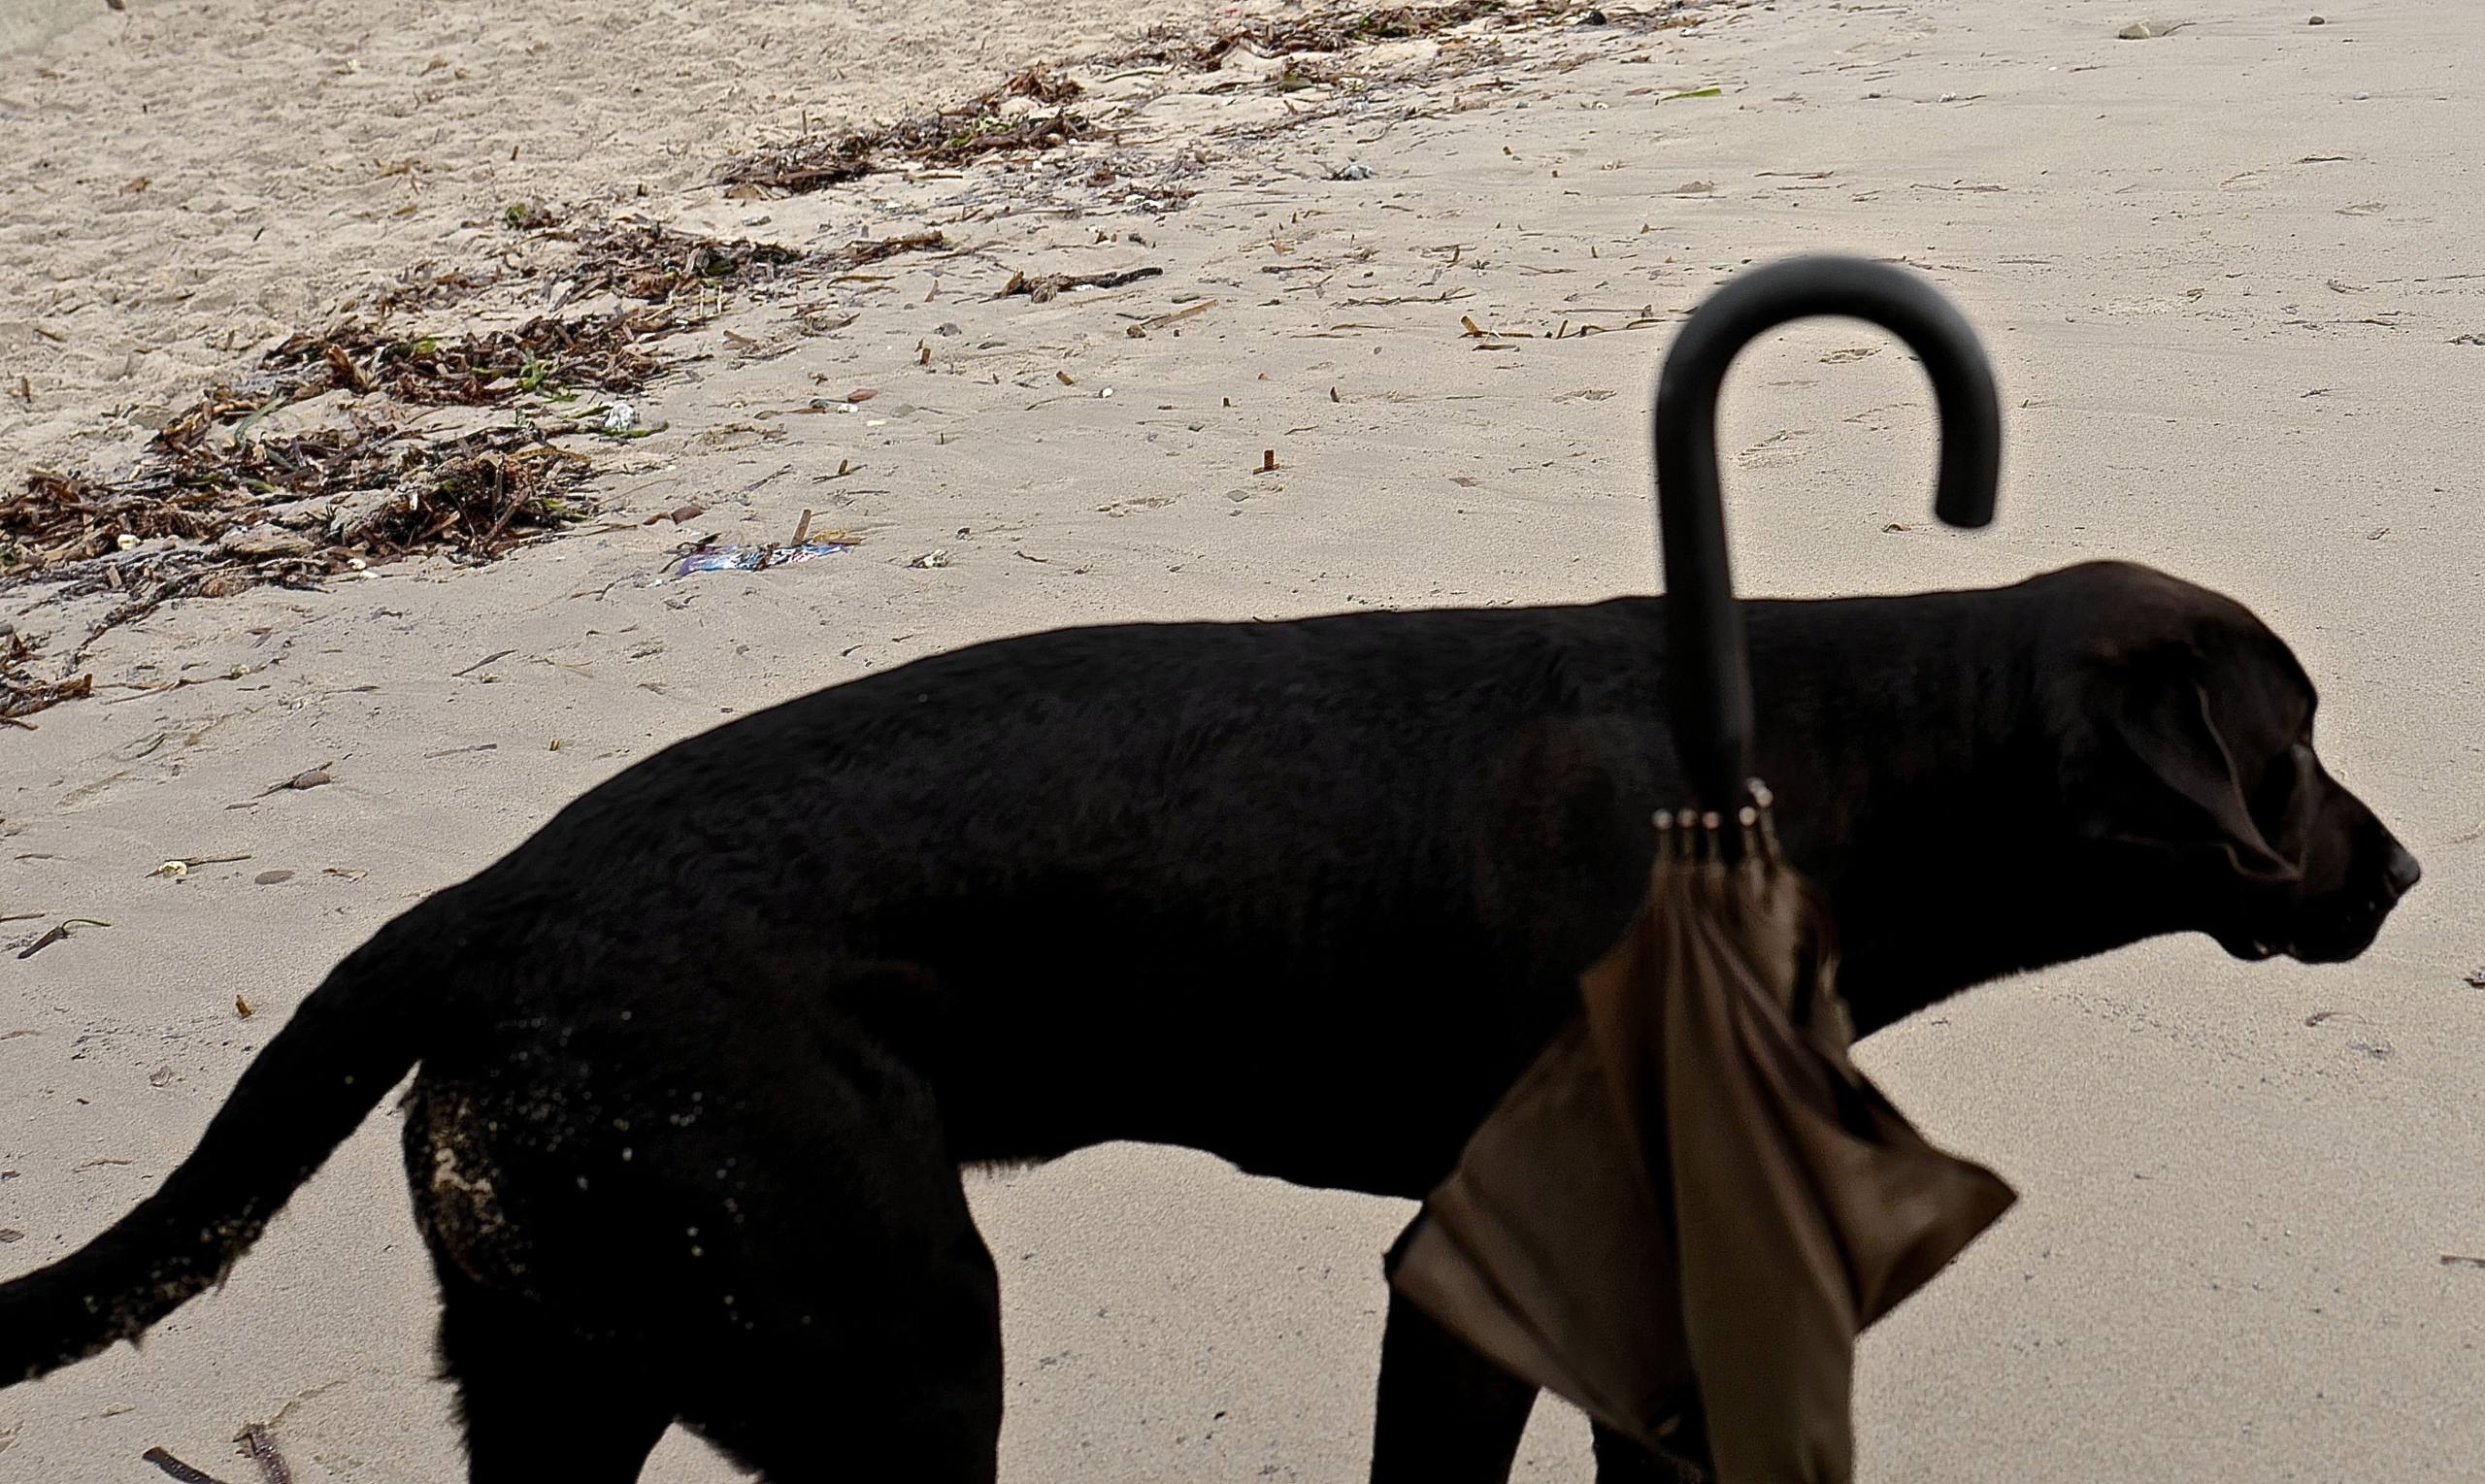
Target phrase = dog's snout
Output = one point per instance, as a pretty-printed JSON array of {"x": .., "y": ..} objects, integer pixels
[{"x": 2402, "y": 872}]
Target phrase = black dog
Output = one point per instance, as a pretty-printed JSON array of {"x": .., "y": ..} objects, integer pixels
[{"x": 700, "y": 1062}]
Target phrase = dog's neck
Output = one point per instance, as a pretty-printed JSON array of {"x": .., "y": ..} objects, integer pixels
[{"x": 1928, "y": 812}]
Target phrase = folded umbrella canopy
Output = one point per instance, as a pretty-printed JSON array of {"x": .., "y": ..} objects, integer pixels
[{"x": 1692, "y": 1203}]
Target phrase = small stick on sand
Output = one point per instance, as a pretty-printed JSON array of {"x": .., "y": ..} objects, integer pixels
[
  {"x": 177, "y": 1468},
  {"x": 60, "y": 931}
]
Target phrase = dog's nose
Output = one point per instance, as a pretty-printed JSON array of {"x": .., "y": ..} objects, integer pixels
[{"x": 2402, "y": 872}]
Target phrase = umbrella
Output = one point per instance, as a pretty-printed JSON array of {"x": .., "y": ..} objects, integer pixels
[{"x": 1691, "y": 1203}]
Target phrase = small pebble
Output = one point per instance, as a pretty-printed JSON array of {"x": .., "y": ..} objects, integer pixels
[{"x": 272, "y": 878}]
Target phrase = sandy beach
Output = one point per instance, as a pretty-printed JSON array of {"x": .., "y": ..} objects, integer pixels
[{"x": 1376, "y": 326}]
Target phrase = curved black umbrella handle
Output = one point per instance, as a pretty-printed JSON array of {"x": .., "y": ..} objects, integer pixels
[{"x": 1708, "y": 668}]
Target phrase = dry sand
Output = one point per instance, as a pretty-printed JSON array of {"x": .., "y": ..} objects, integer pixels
[{"x": 2224, "y": 273}]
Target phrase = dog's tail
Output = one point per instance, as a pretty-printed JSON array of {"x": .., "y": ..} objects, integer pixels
[{"x": 347, "y": 1043}]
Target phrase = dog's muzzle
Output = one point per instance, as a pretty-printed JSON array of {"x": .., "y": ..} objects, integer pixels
[{"x": 2339, "y": 928}]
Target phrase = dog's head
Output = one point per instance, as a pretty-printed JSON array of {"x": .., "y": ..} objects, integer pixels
[{"x": 2186, "y": 733}]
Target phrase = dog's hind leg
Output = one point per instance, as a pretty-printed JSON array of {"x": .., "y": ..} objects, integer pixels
[
  {"x": 540, "y": 1404},
  {"x": 1446, "y": 1414},
  {"x": 854, "y": 1313},
  {"x": 547, "y": 1386},
  {"x": 904, "y": 1385}
]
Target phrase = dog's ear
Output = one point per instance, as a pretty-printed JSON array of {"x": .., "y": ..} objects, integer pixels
[{"x": 2149, "y": 767}]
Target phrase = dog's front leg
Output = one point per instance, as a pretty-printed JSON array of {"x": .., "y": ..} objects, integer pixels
[
  {"x": 1621, "y": 1460},
  {"x": 1449, "y": 1416},
  {"x": 1446, "y": 1415}
]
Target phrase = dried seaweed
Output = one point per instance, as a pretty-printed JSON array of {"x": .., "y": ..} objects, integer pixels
[
  {"x": 1036, "y": 83},
  {"x": 1340, "y": 29},
  {"x": 985, "y": 124},
  {"x": 473, "y": 497},
  {"x": 23, "y": 692},
  {"x": 222, "y": 499},
  {"x": 1044, "y": 288},
  {"x": 806, "y": 163},
  {"x": 642, "y": 260},
  {"x": 425, "y": 285},
  {"x": 605, "y": 352},
  {"x": 634, "y": 258},
  {"x": 875, "y": 249},
  {"x": 947, "y": 138},
  {"x": 370, "y": 490},
  {"x": 985, "y": 132},
  {"x": 1327, "y": 29},
  {"x": 1337, "y": 30},
  {"x": 1001, "y": 120},
  {"x": 218, "y": 504},
  {"x": 212, "y": 516}
]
